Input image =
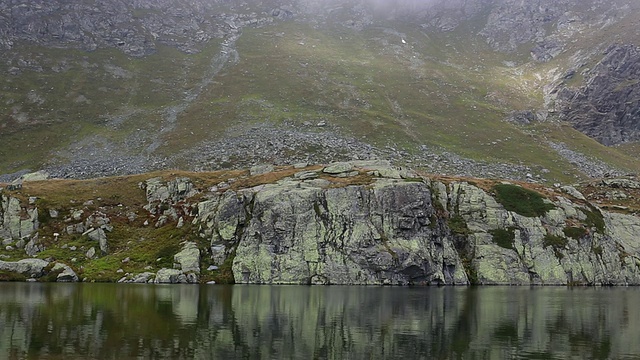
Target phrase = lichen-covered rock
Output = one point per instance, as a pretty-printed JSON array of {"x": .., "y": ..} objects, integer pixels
[
  {"x": 101, "y": 237},
  {"x": 604, "y": 107},
  {"x": 168, "y": 276},
  {"x": 188, "y": 259},
  {"x": 66, "y": 273},
  {"x": 16, "y": 221},
  {"x": 32, "y": 268},
  {"x": 414, "y": 232},
  {"x": 350, "y": 235}
]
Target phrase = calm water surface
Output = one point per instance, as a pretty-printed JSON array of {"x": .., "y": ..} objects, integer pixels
[{"x": 108, "y": 321}]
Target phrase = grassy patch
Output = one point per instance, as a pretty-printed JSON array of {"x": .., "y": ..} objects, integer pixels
[
  {"x": 504, "y": 237},
  {"x": 11, "y": 276},
  {"x": 521, "y": 201}
]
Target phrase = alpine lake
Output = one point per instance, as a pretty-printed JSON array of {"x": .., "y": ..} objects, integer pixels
[{"x": 127, "y": 321}]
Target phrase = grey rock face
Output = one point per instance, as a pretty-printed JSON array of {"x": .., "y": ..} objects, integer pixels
[
  {"x": 170, "y": 191},
  {"x": 136, "y": 28},
  {"x": 188, "y": 259},
  {"x": 16, "y": 221},
  {"x": 28, "y": 267},
  {"x": 401, "y": 232},
  {"x": 606, "y": 106}
]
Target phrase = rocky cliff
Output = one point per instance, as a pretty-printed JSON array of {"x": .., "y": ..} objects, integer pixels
[
  {"x": 347, "y": 223},
  {"x": 605, "y": 104}
]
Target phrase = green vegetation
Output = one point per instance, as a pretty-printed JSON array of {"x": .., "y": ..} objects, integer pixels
[
  {"x": 504, "y": 237},
  {"x": 521, "y": 201},
  {"x": 597, "y": 250},
  {"x": 49, "y": 274},
  {"x": 558, "y": 243},
  {"x": 457, "y": 225},
  {"x": 574, "y": 232},
  {"x": 595, "y": 219},
  {"x": 11, "y": 276}
]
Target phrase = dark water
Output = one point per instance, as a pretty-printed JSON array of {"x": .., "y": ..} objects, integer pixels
[{"x": 58, "y": 321}]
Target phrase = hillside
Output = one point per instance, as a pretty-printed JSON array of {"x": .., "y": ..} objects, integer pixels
[{"x": 543, "y": 91}]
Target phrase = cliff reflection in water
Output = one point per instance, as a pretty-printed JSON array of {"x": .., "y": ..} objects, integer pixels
[{"x": 226, "y": 322}]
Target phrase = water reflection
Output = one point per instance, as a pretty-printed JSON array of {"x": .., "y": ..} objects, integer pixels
[{"x": 271, "y": 322}]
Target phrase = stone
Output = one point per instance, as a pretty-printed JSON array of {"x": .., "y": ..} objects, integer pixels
[
  {"x": 143, "y": 278},
  {"x": 337, "y": 168},
  {"x": 573, "y": 192},
  {"x": 188, "y": 259},
  {"x": 35, "y": 176},
  {"x": 305, "y": 175},
  {"x": 261, "y": 169},
  {"x": 99, "y": 236},
  {"x": 91, "y": 253},
  {"x": 29, "y": 267},
  {"x": 167, "y": 276},
  {"x": 33, "y": 247},
  {"x": 66, "y": 273}
]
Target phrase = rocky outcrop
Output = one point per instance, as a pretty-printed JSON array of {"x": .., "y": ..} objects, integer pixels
[
  {"x": 363, "y": 223},
  {"x": 136, "y": 28},
  {"x": 604, "y": 106},
  {"x": 16, "y": 220},
  {"x": 31, "y": 268},
  {"x": 413, "y": 232}
]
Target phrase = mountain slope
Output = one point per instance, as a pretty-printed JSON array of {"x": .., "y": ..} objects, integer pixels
[{"x": 483, "y": 88}]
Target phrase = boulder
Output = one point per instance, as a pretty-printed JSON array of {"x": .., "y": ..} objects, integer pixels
[
  {"x": 28, "y": 267},
  {"x": 188, "y": 259},
  {"x": 168, "y": 276},
  {"x": 337, "y": 168},
  {"x": 99, "y": 236},
  {"x": 66, "y": 273}
]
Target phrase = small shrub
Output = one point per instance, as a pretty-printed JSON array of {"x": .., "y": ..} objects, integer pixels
[
  {"x": 595, "y": 219},
  {"x": 504, "y": 237},
  {"x": 557, "y": 243},
  {"x": 597, "y": 250},
  {"x": 457, "y": 225},
  {"x": 521, "y": 201},
  {"x": 224, "y": 275},
  {"x": 574, "y": 232}
]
